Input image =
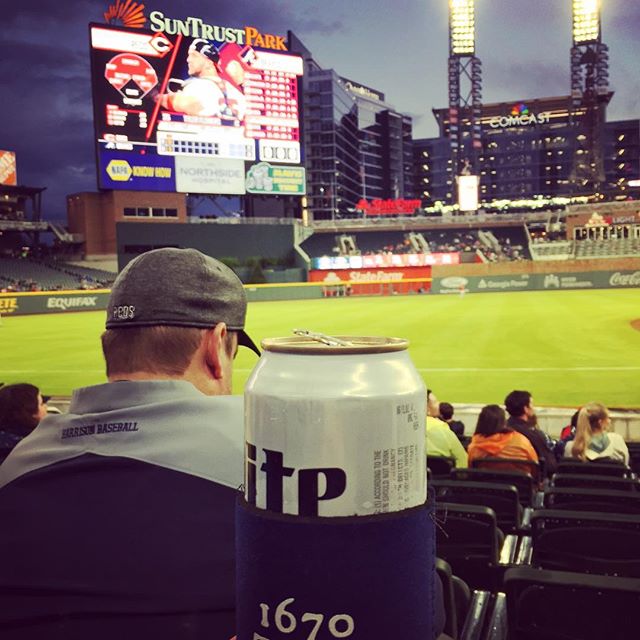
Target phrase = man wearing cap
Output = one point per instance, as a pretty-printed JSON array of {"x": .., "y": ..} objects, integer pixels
[
  {"x": 205, "y": 93},
  {"x": 123, "y": 509}
]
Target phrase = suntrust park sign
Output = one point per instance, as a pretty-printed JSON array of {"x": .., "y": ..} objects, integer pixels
[{"x": 197, "y": 28}]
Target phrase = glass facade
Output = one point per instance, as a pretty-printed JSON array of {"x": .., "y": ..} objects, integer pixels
[
  {"x": 355, "y": 144},
  {"x": 527, "y": 151}
]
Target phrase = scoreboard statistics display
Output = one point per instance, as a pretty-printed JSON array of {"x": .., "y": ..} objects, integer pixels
[{"x": 176, "y": 113}]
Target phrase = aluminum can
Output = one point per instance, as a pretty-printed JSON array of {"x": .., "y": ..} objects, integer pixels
[{"x": 335, "y": 429}]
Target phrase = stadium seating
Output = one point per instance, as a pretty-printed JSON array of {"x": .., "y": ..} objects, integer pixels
[
  {"x": 440, "y": 466},
  {"x": 33, "y": 275},
  {"x": 592, "y": 500},
  {"x": 523, "y": 482},
  {"x": 634, "y": 455},
  {"x": 561, "y": 605},
  {"x": 551, "y": 250},
  {"x": 456, "y": 599},
  {"x": 510, "y": 464},
  {"x": 611, "y": 248},
  {"x": 604, "y": 468},
  {"x": 599, "y": 543},
  {"x": 495, "y": 244},
  {"x": 584, "y": 481},
  {"x": 468, "y": 538},
  {"x": 503, "y": 499}
]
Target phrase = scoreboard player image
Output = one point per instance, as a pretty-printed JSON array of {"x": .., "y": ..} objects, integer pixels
[
  {"x": 169, "y": 104},
  {"x": 207, "y": 92}
]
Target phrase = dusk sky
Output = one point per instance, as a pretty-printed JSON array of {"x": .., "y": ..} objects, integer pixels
[{"x": 399, "y": 48}]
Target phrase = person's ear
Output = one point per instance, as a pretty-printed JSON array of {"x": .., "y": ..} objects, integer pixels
[{"x": 214, "y": 349}]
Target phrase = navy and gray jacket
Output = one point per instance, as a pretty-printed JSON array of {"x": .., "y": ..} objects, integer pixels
[{"x": 125, "y": 506}]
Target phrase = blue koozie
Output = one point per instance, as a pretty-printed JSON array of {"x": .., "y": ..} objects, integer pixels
[{"x": 360, "y": 577}]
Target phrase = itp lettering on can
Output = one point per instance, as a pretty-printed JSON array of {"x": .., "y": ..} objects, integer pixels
[{"x": 335, "y": 427}]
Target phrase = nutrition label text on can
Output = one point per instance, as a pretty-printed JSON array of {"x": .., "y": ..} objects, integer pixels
[
  {"x": 392, "y": 470},
  {"x": 408, "y": 410}
]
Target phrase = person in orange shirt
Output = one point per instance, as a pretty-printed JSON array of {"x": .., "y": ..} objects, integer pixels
[{"x": 494, "y": 439}]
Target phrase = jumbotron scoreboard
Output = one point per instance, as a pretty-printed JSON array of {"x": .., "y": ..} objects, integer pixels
[{"x": 179, "y": 112}]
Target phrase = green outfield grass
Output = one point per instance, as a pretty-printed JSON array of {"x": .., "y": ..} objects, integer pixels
[{"x": 565, "y": 347}]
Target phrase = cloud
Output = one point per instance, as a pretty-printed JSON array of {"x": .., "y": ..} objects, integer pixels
[
  {"x": 45, "y": 76},
  {"x": 521, "y": 81}
]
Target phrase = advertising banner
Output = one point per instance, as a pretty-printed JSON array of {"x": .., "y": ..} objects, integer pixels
[
  {"x": 384, "y": 281},
  {"x": 468, "y": 189},
  {"x": 396, "y": 207},
  {"x": 369, "y": 275},
  {"x": 382, "y": 260},
  {"x": 537, "y": 282},
  {"x": 17, "y": 304},
  {"x": 137, "y": 172},
  {"x": 8, "y": 173},
  {"x": 209, "y": 175},
  {"x": 202, "y": 91},
  {"x": 265, "y": 179}
]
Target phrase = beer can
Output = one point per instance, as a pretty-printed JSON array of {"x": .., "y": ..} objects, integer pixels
[{"x": 335, "y": 427}]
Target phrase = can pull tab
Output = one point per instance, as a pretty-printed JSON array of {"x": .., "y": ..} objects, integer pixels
[{"x": 323, "y": 338}]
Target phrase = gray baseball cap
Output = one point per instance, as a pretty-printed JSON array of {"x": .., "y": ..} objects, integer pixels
[{"x": 178, "y": 288}]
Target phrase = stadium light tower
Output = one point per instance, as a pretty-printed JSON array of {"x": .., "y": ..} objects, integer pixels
[
  {"x": 465, "y": 89},
  {"x": 589, "y": 96}
]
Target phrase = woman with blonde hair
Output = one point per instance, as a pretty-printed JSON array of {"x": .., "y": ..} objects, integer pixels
[{"x": 593, "y": 440}]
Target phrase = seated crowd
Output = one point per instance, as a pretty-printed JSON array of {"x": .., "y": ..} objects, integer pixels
[
  {"x": 519, "y": 437},
  {"x": 125, "y": 507}
]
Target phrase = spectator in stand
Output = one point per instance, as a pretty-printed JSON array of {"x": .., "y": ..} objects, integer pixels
[
  {"x": 126, "y": 505},
  {"x": 22, "y": 406},
  {"x": 494, "y": 439},
  {"x": 440, "y": 439},
  {"x": 522, "y": 418},
  {"x": 567, "y": 434},
  {"x": 446, "y": 415},
  {"x": 592, "y": 442}
]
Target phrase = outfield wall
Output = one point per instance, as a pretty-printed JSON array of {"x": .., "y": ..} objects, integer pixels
[
  {"x": 620, "y": 273},
  {"x": 19, "y": 304},
  {"x": 616, "y": 273}
]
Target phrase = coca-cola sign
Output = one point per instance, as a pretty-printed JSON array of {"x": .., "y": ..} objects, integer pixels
[{"x": 625, "y": 279}]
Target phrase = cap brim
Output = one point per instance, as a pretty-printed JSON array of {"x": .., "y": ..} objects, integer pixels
[
  {"x": 46, "y": 399},
  {"x": 245, "y": 341}
]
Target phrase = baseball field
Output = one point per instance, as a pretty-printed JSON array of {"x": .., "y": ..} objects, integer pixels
[{"x": 566, "y": 347}]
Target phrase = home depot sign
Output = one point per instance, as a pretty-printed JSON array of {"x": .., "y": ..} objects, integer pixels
[{"x": 8, "y": 173}]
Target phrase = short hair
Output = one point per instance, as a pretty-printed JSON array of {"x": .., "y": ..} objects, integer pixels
[
  {"x": 19, "y": 408},
  {"x": 446, "y": 411},
  {"x": 162, "y": 349},
  {"x": 491, "y": 420},
  {"x": 516, "y": 402}
]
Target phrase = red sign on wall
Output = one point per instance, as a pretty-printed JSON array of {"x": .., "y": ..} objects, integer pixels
[
  {"x": 388, "y": 207},
  {"x": 386, "y": 280}
]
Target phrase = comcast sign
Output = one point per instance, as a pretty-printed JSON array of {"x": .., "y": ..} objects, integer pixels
[{"x": 520, "y": 116}]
